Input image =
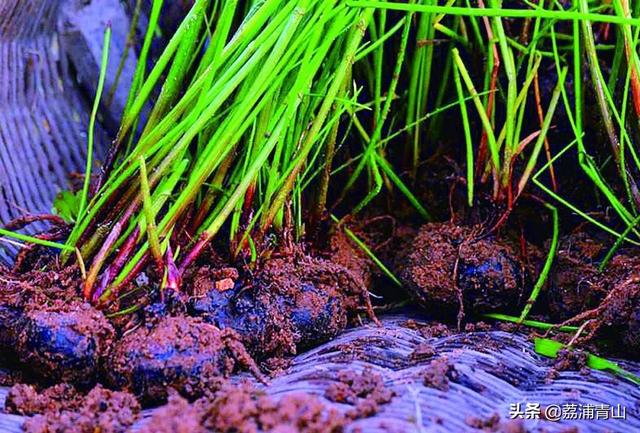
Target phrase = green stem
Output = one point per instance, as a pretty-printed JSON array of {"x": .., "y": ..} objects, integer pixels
[
  {"x": 92, "y": 121},
  {"x": 542, "y": 278}
]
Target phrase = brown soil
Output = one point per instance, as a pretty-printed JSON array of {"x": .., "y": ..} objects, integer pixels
[
  {"x": 431, "y": 329},
  {"x": 46, "y": 290},
  {"x": 606, "y": 301},
  {"x": 493, "y": 424},
  {"x": 183, "y": 353},
  {"x": 207, "y": 278},
  {"x": 62, "y": 409},
  {"x": 567, "y": 359},
  {"x": 242, "y": 409},
  {"x": 477, "y": 327},
  {"x": 366, "y": 391},
  {"x": 381, "y": 234},
  {"x": 447, "y": 269},
  {"x": 438, "y": 374},
  {"x": 343, "y": 252},
  {"x": 618, "y": 318},
  {"x": 575, "y": 282},
  {"x": 422, "y": 351},
  {"x": 44, "y": 284},
  {"x": 64, "y": 342},
  {"x": 25, "y": 399},
  {"x": 177, "y": 416},
  {"x": 289, "y": 304},
  {"x": 285, "y": 304},
  {"x": 614, "y": 324}
]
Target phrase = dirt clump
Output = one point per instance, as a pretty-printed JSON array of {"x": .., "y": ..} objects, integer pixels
[
  {"x": 365, "y": 391},
  {"x": 24, "y": 399},
  {"x": 439, "y": 373},
  {"x": 571, "y": 360},
  {"x": 615, "y": 323},
  {"x": 380, "y": 233},
  {"x": 207, "y": 279},
  {"x": 42, "y": 328},
  {"x": 429, "y": 330},
  {"x": 242, "y": 409},
  {"x": 64, "y": 342},
  {"x": 287, "y": 305},
  {"x": 343, "y": 252},
  {"x": 183, "y": 353},
  {"x": 40, "y": 286},
  {"x": 62, "y": 409},
  {"x": 568, "y": 359},
  {"x": 101, "y": 410},
  {"x": 477, "y": 327},
  {"x": 449, "y": 268},
  {"x": 422, "y": 352},
  {"x": 493, "y": 424},
  {"x": 617, "y": 319},
  {"x": 575, "y": 283},
  {"x": 177, "y": 416}
]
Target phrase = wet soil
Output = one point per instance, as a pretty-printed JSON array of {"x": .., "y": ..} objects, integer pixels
[
  {"x": 62, "y": 408},
  {"x": 607, "y": 302},
  {"x": 439, "y": 373},
  {"x": 242, "y": 409},
  {"x": 422, "y": 352},
  {"x": 616, "y": 322},
  {"x": 343, "y": 252},
  {"x": 45, "y": 289},
  {"x": 494, "y": 424},
  {"x": 430, "y": 329},
  {"x": 184, "y": 344},
  {"x": 25, "y": 399},
  {"x": 177, "y": 416},
  {"x": 286, "y": 305},
  {"x": 192, "y": 341},
  {"x": 186, "y": 340},
  {"x": 569, "y": 359},
  {"x": 576, "y": 283},
  {"x": 381, "y": 234},
  {"x": 450, "y": 269},
  {"x": 365, "y": 391},
  {"x": 182, "y": 353},
  {"x": 64, "y": 342}
]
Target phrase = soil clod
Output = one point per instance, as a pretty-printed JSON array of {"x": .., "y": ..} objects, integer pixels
[
  {"x": 183, "y": 353},
  {"x": 64, "y": 342},
  {"x": 62, "y": 409},
  {"x": 447, "y": 268},
  {"x": 366, "y": 391},
  {"x": 575, "y": 283},
  {"x": 242, "y": 409},
  {"x": 438, "y": 374},
  {"x": 24, "y": 399},
  {"x": 289, "y": 305}
]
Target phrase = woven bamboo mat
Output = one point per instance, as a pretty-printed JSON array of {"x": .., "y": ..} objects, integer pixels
[{"x": 48, "y": 69}]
